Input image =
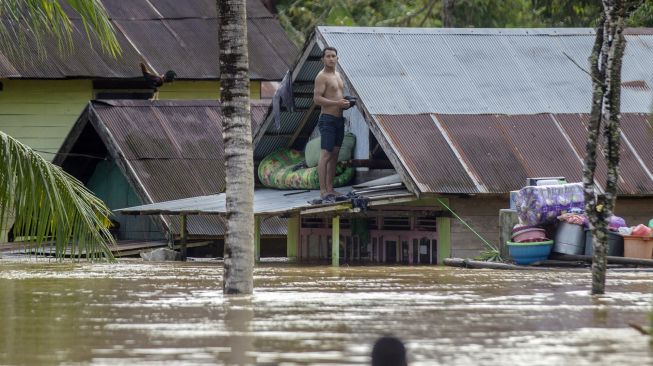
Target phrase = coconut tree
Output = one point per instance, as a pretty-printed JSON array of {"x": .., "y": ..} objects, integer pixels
[
  {"x": 46, "y": 203},
  {"x": 49, "y": 204},
  {"x": 237, "y": 134}
]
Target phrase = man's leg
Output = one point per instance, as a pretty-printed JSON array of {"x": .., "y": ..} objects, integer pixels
[
  {"x": 331, "y": 169},
  {"x": 322, "y": 171}
]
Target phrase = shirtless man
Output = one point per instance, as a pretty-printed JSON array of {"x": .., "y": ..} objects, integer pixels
[{"x": 328, "y": 94}]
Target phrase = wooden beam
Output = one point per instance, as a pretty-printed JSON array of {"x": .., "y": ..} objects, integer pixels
[
  {"x": 257, "y": 239},
  {"x": 335, "y": 241},
  {"x": 184, "y": 235},
  {"x": 301, "y": 125},
  {"x": 292, "y": 238}
]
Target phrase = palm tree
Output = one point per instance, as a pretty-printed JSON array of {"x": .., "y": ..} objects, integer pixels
[
  {"x": 237, "y": 134},
  {"x": 46, "y": 203},
  {"x": 50, "y": 205}
]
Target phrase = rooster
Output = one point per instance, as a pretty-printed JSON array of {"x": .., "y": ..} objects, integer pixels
[{"x": 154, "y": 81}]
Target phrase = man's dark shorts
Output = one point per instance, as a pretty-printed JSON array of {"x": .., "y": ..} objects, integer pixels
[{"x": 332, "y": 131}]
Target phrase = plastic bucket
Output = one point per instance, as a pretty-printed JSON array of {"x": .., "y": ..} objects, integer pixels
[
  {"x": 615, "y": 244},
  {"x": 638, "y": 247},
  {"x": 569, "y": 239}
]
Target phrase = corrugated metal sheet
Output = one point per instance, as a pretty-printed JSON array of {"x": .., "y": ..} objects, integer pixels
[
  {"x": 541, "y": 147},
  {"x": 179, "y": 36},
  {"x": 638, "y": 129},
  {"x": 191, "y": 8},
  {"x": 633, "y": 177},
  {"x": 481, "y": 71},
  {"x": 174, "y": 147},
  {"x": 266, "y": 202},
  {"x": 132, "y": 9},
  {"x": 426, "y": 154},
  {"x": 482, "y": 144}
]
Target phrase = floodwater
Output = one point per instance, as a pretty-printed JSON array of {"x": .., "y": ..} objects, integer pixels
[{"x": 140, "y": 313}]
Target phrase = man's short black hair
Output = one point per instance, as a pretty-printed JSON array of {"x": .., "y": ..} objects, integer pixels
[{"x": 329, "y": 49}]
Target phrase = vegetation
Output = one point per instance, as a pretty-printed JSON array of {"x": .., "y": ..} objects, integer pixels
[
  {"x": 49, "y": 205},
  {"x": 299, "y": 17}
]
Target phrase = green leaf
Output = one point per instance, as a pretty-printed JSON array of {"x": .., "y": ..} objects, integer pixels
[{"x": 49, "y": 205}]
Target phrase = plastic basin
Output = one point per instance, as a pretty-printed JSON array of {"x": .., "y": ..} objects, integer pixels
[{"x": 527, "y": 253}]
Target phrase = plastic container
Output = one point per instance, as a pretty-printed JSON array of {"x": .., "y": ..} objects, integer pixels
[
  {"x": 638, "y": 247},
  {"x": 615, "y": 244},
  {"x": 569, "y": 239},
  {"x": 527, "y": 253}
]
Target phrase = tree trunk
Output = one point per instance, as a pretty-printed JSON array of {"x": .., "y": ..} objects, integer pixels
[
  {"x": 447, "y": 13},
  {"x": 237, "y": 134},
  {"x": 606, "y": 62}
]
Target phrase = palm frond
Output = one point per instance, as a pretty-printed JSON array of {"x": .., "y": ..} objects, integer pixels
[
  {"x": 29, "y": 24},
  {"x": 50, "y": 205}
]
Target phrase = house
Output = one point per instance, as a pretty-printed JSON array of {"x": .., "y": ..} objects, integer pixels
[
  {"x": 41, "y": 99},
  {"x": 132, "y": 152},
  {"x": 463, "y": 117}
]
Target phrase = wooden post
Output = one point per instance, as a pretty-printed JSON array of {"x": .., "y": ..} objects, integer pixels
[
  {"x": 444, "y": 240},
  {"x": 507, "y": 220},
  {"x": 184, "y": 235},
  {"x": 257, "y": 239},
  {"x": 292, "y": 238},
  {"x": 335, "y": 241}
]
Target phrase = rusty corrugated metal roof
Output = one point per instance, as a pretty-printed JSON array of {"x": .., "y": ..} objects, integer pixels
[
  {"x": 173, "y": 148},
  {"x": 484, "y": 147},
  {"x": 426, "y": 154},
  {"x": 166, "y": 34},
  {"x": 496, "y": 153},
  {"x": 634, "y": 157}
]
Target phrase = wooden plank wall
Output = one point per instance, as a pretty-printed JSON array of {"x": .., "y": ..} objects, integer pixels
[{"x": 40, "y": 113}]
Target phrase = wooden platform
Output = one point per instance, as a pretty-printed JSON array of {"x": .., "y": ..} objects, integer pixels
[{"x": 123, "y": 248}]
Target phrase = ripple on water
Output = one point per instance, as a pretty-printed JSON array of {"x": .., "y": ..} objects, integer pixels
[{"x": 174, "y": 313}]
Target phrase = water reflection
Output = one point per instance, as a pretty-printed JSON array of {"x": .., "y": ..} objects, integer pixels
[
  {"x": 174, "y": 313},
  {"x": 238, "y": 313}
]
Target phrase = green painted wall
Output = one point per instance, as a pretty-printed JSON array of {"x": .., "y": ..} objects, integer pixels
[
  {"x": 40, "y": 113},
  {"x": 110, "y": 185}
]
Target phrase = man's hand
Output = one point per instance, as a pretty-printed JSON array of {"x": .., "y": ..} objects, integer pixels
[{"x": 343, "y": 103}]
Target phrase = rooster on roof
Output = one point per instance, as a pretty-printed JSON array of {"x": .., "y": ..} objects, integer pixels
[{"x": 154, "y": 81}]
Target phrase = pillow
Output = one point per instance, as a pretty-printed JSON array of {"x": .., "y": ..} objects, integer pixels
[{"x": 312, "y": 151}]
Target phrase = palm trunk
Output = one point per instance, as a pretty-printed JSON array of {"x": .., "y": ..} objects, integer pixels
[{"x": 237, "y": 134}]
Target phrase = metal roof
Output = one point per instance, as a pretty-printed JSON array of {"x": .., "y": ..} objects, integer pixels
[
  {"x": 172, "y": 149},
  {"x": 267, "y": 202},
  {"x": 479, "y": 110},
  {"x": 167, "y": 35},
  {"x": 496, "y": 153},
  {"x": 482, "y": 71}
]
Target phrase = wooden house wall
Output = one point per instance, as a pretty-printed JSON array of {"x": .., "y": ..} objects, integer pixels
[
  {"x": 481, "y": 213},
  {"x": 40, "y": 113},
  {"x": 109, "y": 184}
]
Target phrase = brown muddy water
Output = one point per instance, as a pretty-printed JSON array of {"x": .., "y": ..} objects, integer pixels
[{"x": 139, "y": 313}]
